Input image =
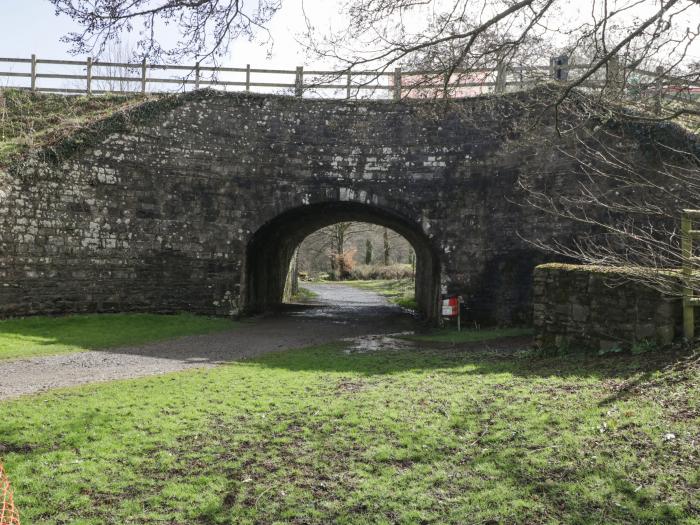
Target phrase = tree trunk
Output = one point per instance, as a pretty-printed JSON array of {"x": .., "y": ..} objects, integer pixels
[{"x": 387, "y": 247}]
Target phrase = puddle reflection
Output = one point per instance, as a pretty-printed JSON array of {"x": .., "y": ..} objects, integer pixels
[{"x": 378, "y": 343}]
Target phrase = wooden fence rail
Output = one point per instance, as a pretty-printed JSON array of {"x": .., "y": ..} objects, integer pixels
[{"x": 145, "y": 78}]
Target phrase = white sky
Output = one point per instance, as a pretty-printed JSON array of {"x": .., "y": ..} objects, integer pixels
[{"x": 30, "y": 26}]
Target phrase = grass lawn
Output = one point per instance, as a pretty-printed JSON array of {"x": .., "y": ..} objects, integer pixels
[
  {"x": 326, "y": 435},
  {"x": 398, "y": 291},
  {"x": 451, "y": 335},
  {"x": 36, "y": 336},
  {"x": 304, "y": 294}
]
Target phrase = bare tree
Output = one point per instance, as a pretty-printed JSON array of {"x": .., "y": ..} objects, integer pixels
[
  {"x": 368, "y": 251},
  {"x": 626, "y": 184},
  {"x": 334, "y": 243},
  {"x": 206, "y": 27},
  {"x": 387, "y": 247},
  {"x": 325, "y": 249},
  {"x": 453, "y": 38},
  {"x": 117, "y": 52},
  {"x": 621, "y": 63},
  {"x": 472, "y": 41}
]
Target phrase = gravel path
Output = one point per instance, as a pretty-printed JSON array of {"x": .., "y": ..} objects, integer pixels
[{"x": 339, "y": 312}]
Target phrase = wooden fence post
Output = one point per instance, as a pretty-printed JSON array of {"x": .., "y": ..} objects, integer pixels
[
  {"x": 558, "y": 68},
  {"x": 348, "y": 85},
  {"x": 658, "y": 89},
  {"x": 299, "y": 82},
  {"x": 89, "y": 76},
  {"x": 501, "y": 72},
  {"x": 686, "y": 258},
  {"x": 397, "y": 83},
  {"x": 143, "y": 76},
  {"x": 614, "y": 81},
  {"x": 247, "y": 77},
  {"x": 33, "y": 72},
  {"x": 196, "y": 76}
]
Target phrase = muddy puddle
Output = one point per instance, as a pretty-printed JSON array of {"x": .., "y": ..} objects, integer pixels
[{"x": 379, "y": 343}]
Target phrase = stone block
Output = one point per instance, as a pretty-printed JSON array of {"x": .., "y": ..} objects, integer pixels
[
  {"x": 665, "y": 334},
  {"x": 579, "y": 312}
]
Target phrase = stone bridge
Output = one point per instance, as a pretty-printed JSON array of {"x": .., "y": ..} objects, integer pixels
[{"x": 197, "y": 202}]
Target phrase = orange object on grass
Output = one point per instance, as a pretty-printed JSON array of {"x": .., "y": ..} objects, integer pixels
[{"x": 8, "y": 512}]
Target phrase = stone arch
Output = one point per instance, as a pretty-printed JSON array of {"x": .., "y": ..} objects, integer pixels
[{"x": 270, "y": 249}]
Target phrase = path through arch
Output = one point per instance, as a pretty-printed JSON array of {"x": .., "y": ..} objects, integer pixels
[{"x": 271, "y": 248}]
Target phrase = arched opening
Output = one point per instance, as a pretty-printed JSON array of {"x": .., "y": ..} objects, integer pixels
[{"x": 271, "y": 248}]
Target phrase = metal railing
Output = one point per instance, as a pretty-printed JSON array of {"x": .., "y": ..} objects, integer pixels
[{"x": 97, "y": 77}]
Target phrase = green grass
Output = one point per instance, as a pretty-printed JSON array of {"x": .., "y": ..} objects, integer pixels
[
  {"x": 326, "y": 435},
  {"x": 451, "y": 335},
  {"x": 304, "y": 294},
  {"x": 398, "y": 291},
  {"x": 36, "y": 336},
  {"x": 30, "y": 120}
]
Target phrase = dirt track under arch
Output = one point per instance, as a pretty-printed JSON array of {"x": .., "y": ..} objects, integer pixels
[{"x": 338, "y": 312}]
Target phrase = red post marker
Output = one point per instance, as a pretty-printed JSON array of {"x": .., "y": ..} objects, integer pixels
[{"x": 450, "y": 307}]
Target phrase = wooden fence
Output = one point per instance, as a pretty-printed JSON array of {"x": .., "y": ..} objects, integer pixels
[
  {"x": 690, "y": 301},
  {"x": 96, "y": 77}
]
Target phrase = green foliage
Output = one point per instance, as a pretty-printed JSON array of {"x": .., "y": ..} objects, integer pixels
[
  {"x": 37, "y": 120},
  {"x": 35, "y": 336},
  {"x": 329, "y": 435},
  {"x": 304, "y": 294},
  {"x": 408, "y": 302},
  {"x": 643, "y": 346}
]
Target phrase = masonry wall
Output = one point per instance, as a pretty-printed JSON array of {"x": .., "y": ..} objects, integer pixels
[
  {"x": 153, "y": 209},
  {"x": 586, "y": 307}
]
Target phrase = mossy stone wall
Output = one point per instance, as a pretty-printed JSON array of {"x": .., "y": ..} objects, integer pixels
[{"x": 586, "y": 307}]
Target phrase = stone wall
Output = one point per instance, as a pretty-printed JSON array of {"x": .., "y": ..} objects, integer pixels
[
  {"x": 199, "y": 200},
  {"x": 586, "y": 307}
]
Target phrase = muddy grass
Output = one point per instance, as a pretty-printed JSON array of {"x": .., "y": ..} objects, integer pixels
[{"x": 400, "y": 434}]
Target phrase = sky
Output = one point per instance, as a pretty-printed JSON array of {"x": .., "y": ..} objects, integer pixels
[{"x": 30, "y": 26}]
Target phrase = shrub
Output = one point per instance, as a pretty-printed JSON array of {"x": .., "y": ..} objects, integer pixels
[{"x": 365, "y": 272}]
